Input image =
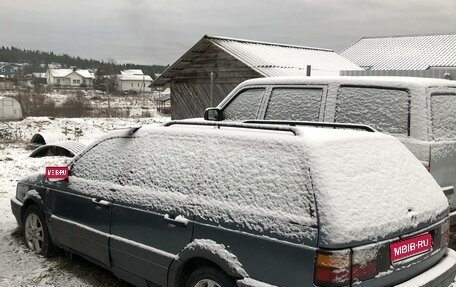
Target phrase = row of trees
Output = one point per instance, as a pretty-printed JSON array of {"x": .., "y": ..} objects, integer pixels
[{"x": 38, "y": 61}]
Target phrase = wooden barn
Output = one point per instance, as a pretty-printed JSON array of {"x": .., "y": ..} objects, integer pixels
[{"x": 227, "y": 62}]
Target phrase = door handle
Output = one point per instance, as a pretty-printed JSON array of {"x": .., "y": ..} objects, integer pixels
[
  {"x": 100, "y": 202},
  {"x": 177, "y": 220}
]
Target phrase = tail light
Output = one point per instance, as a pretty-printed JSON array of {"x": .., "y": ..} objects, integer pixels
[
  {"x": 445, "y": 233},
  {"x": 332, "y": 268},
  {"x": 364, "y": 263},
  {"x": 344, "y": 267}
]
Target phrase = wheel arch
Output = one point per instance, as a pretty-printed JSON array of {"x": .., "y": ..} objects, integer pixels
[
  {"x": 204, "y": 252},
  {"x": 32, "y": 197}
]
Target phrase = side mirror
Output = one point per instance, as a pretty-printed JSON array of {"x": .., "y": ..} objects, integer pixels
[{"x": 213, "y": 114}]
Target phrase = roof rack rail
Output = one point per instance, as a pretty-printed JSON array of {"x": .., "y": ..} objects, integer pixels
[
  {"x": 234, "y": 125},
  {"x": 314, "y": 124},
  {"x": 131, "y": 130}
]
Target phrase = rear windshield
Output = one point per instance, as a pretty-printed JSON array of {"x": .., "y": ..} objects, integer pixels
[
  {"x": 244, "y": 106},
  {"x": 296, "y": 104},
  {"x": 226, "y": 169},
  {"x": 443, "y": 116},
  {"x": 386, "y": 110}
]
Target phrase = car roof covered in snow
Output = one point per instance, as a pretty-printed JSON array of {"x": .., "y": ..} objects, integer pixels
[
  {"x": 368, "y": 81},
  {"x": 367, "y": 185}
]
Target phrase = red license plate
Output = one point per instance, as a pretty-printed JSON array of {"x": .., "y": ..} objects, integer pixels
[
  {"x": 57, "y": 172},
  {"x": 409, "y": 247}
]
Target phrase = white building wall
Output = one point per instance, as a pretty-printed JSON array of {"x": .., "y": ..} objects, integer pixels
[
  {"x": 74, "y": 79},
  {"x": 131, "y": 85}
]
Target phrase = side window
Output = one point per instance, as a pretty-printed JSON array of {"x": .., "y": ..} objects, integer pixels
[
  {"x": 386, "y": 110},
  {"x": 105, "y": 162},
  {"x": 244, "y": 106},
  {"x": 223, "y": 170},
  {"x": 443, "y": 119},
  {"x": 296, "y": 104}
]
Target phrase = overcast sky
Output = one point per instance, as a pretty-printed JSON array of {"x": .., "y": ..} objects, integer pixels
[{"x": 160, "y": 31}]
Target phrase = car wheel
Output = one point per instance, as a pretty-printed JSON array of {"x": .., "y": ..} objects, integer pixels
[
  {"x": 36, "y": 234},
  {"x": 209, "y": 277}
]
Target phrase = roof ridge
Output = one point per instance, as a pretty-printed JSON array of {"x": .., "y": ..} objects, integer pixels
[
  {"x": 407, "y": 36},
  {"x": 267, "y": 43}
]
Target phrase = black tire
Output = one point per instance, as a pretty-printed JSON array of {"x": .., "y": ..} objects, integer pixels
[
  {"x": 209, "y": 273},
  {"x": 47, "y": 248}
]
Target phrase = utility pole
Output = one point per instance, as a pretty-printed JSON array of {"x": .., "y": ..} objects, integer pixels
[
  {"x": 109, "y": 96},
  {"x": 143, "y": 94},
  {"x": 212, "y": 89}
]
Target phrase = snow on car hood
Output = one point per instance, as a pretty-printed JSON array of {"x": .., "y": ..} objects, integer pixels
[{"x": 369, "y": 187}]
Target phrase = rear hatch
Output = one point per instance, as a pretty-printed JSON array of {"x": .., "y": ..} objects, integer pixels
[{"x": 375, "y": 199}]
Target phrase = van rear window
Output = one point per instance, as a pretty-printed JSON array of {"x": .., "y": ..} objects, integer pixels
[
  {"x": 386, "y": 110},
  {"x": 443, "y": 117},
  {"x": 295, "y": 104}
]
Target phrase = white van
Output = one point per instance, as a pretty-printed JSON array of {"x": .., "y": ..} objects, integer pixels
[{"x": 420, "y": 112}]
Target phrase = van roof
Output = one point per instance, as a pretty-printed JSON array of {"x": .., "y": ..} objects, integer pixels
[{"x": 348, "y": 80}]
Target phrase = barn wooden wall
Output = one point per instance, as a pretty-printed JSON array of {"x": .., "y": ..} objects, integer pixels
[{"x": 190, "y": 87}]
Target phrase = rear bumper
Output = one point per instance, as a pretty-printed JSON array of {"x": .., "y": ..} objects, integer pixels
[
  {"x": 440, "y": 275},
  {"x": 16, "y": 207}
]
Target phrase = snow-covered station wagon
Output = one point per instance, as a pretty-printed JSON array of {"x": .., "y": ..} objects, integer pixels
[
  {"x": 420, "y": 112},
  {"x": 194, "y": 204}
]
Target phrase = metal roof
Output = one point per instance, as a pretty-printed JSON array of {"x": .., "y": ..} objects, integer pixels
[
  {"x": 132, "y": 72},
  {"x": 418, "y": 52},
  {"x": 62, "y": 73},
  {"x": 71, "y": 148},
  {"x": 131, "y": 77},
  {"x": 268, "y": 59}
]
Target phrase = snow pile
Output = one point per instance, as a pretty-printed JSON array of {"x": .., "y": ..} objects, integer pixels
[{"x": 369, "y": 186}]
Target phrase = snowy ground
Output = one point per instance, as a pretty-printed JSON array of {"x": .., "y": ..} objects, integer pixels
[{"x": 19, "y": 267}]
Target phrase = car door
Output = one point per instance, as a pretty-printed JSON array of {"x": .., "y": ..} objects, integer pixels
[
  {"x": 145, "y": 242},
  {"x": 149, "y": 227},
  {"x": 80, "y": 221}
]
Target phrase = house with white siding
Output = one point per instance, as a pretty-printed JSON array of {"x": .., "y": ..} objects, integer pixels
[
  {"x": 133, "y": 80},
  {"x": 70, "y": 77}
]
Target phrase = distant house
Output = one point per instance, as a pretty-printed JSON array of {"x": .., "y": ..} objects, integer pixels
[
  {"x": 133, "y": 80},
  {"x": 232, "y": 61},
  {"x": 9, "y": 71},
  {"x": 38, "y": 79},
  {"x": 70, "y": 77},
  {"x": 431, "y": 56},
  {"x": 6, "y": 84}
]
